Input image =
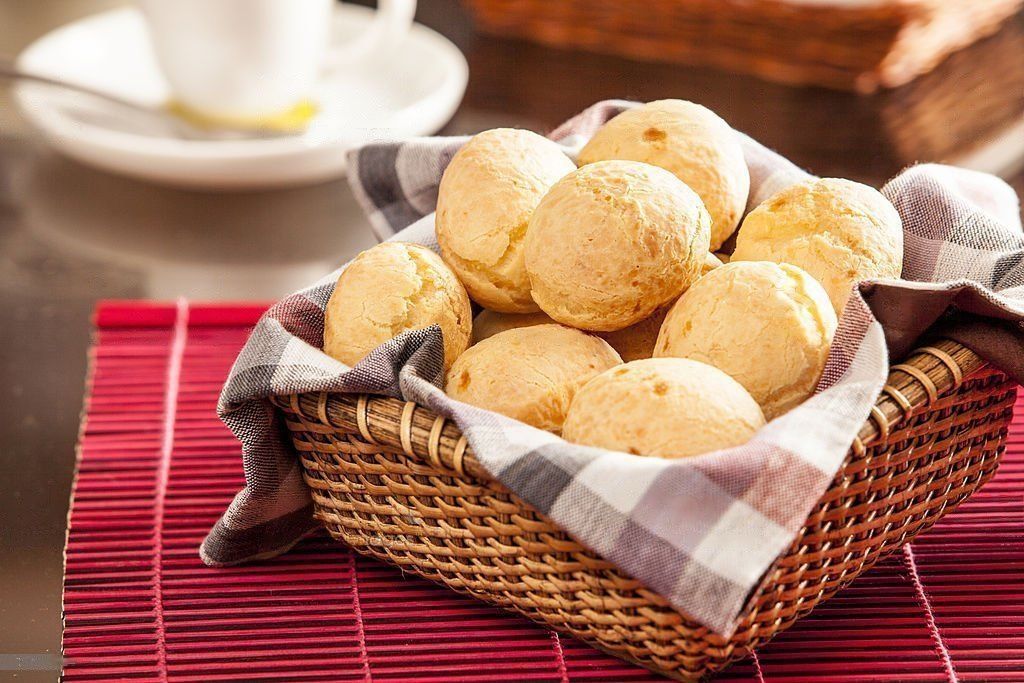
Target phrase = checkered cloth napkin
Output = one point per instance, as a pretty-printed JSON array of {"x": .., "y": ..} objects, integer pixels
[{"x": 700, "y": 531}]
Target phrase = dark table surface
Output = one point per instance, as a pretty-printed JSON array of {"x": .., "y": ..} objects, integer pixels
[{"x": 70, "y": 236}]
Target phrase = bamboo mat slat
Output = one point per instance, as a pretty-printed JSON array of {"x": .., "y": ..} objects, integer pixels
[{"x": 156, "y": 468}]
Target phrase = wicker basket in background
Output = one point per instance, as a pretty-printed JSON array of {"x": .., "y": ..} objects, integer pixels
[
  {"x": 395, "y": 481},
  {"x": 847, "y": 45}
]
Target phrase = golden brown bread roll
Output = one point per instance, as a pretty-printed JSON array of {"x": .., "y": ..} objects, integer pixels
[
  {"x": 837, "y": 230},
  {"x": 631, "y": 343},
  {"x": 692, "y": 142},
  {"x": 637, "y": 341},
  {"x": 613, "y": 242},
  {"x": 767, "y": 325},
  {"x": 529, "y": 373},
  {"x": 389, "y": 289},
  {"x": 664, "y": 407},
  {"x": 484, "y": 203},
  {"x": 489, "y": 323}
]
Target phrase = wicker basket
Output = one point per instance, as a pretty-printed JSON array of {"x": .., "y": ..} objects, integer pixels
[
  {"x": 395, "y": 481},
  {"x": 860, "y": 46}
]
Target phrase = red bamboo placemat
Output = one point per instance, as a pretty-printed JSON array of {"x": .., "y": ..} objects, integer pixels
[{"x": 156, "y": 468}]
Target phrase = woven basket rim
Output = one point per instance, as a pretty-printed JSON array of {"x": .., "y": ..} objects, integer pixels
[{"x": 914, "y": 384}]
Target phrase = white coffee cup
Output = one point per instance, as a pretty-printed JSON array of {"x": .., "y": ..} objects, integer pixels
[{"x": 258, "y": 58}]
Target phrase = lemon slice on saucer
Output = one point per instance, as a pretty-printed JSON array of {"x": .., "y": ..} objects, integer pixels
[{"x": 292, "y": 120}]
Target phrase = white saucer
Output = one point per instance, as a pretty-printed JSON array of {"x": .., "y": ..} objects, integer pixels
[{"x": 412, "y": 92}]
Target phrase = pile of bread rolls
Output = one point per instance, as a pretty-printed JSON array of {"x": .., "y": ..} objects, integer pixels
[{"x": 607, "y": 312}]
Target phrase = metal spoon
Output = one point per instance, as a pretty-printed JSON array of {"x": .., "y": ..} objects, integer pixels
[{"x": 167, "y": 122}]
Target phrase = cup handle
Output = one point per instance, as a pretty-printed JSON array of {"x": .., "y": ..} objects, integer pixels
[{"x": 392, "y": 23}]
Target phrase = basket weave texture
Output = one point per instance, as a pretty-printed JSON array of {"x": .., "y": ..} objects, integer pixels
[
  {"x": 397, "y": 482},
  {"x": 858, "y": 46}
]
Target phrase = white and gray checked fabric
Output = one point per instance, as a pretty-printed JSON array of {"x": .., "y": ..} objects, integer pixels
[{"x": 700, "y": 531}]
